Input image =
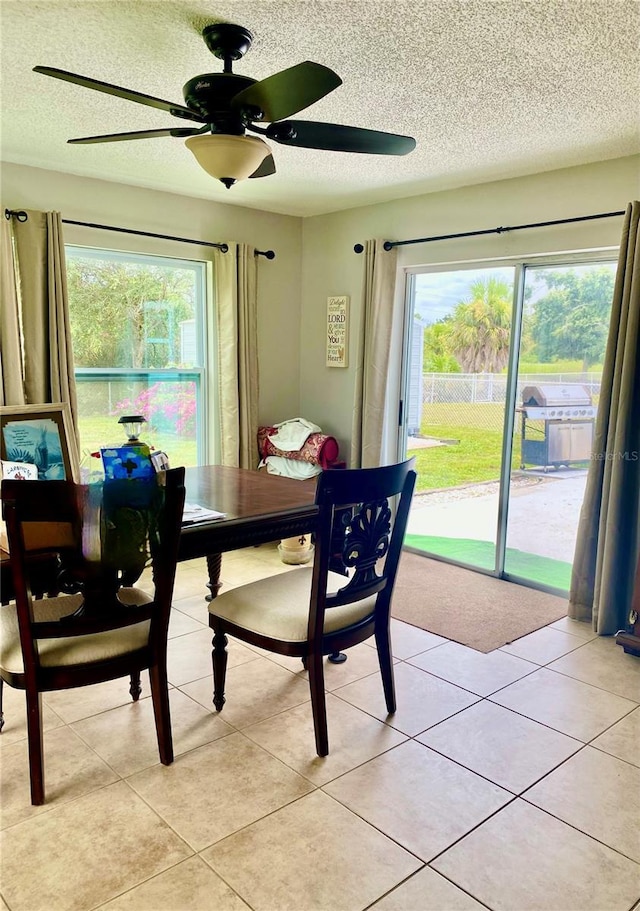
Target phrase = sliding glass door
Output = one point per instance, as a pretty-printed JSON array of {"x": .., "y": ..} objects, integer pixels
[
  {"x": 566, "y": 308},
  {"x": 460, "y": 340},
  {"x": 501, "y": 381}
]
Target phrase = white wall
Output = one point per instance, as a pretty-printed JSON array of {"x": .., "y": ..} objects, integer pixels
[
  {"x": 279, "y": 280},
  {"x": 330, "y": 267}
]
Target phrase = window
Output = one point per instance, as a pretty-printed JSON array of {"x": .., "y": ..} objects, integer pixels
[{"x": 138, "y": 330}]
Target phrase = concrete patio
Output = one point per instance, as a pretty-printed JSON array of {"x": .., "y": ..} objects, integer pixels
[{"x": 544, "y": 509}]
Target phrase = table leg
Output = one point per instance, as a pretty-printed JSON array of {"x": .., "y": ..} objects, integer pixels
[{"x": 214, "y": 565}]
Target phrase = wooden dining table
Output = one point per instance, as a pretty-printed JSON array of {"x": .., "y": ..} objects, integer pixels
[{"x": 258, "y": 507}]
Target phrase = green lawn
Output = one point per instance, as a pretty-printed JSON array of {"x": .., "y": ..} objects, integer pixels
[
  {"x": 473, "y": 451},
  {"x": 100, "y": 431},
  {"x": 557, "y": 367}
]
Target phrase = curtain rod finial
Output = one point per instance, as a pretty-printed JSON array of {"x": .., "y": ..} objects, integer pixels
[
  {"x": 388, "y": 245},
  {"x": 19, "y": 215},
  {"x": 358, "y": 248}
]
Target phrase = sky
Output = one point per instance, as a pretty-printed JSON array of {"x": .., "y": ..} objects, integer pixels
[{"x": 437, "y": 293}]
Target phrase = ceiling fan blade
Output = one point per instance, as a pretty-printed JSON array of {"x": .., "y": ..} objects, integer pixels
[
  {"x": 267, "y": 168},
  {"x": 178, "y": 110},
  {"x": 137, "y": 134},
  {"x": 288, "y": 91},
  {"x": 334, "y": 137}
]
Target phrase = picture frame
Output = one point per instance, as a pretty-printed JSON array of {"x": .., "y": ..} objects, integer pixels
[{"x": 40, "y": 435}]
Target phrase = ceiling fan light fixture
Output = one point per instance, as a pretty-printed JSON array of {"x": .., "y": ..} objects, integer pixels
[{"x": 226, "y": 157}]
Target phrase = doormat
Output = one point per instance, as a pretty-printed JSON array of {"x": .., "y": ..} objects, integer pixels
[{"x": 468, "y": 607}]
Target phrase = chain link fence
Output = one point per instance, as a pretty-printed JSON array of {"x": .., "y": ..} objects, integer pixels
[{"x": 455, "y": 398}]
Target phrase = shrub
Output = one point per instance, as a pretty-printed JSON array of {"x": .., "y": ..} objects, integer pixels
[{"x": 169, "y": 407}]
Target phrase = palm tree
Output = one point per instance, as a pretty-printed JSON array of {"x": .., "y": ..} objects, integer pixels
[
  {"x": 479, "y": 328},
  {"x": 437, "y": 356}
]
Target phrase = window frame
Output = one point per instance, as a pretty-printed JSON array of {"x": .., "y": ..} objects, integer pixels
[{"x": 199, "y": 373}]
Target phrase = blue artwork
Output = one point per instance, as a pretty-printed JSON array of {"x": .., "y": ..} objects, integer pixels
[
  {"x": 128, "y": 461},
  {"x": 36, "y": 442}
]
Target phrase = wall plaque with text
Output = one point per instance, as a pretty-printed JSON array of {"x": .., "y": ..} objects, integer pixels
[{"x": 337, "y": 331}]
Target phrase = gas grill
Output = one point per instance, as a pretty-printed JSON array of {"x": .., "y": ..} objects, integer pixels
[{"x": 566, "y": 435}]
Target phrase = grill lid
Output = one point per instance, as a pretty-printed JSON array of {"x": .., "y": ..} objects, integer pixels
[{"x": 556, "y": 394}]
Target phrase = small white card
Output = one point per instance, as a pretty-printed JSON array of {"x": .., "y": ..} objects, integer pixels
[{"x": 19, "y": 471}]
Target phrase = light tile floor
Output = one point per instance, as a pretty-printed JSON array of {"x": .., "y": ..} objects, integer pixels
[{"x": 508, "y": 781}]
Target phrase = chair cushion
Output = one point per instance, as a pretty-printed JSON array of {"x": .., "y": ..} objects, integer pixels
[
  {"x": 71, "y": 650},
  {"x": 278, "y": 606}
]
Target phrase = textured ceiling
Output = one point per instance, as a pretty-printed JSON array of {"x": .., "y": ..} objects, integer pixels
[{"x": 489, "y": 90}]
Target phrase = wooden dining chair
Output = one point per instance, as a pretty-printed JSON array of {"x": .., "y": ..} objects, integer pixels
[
  {"x": 94, "y": 624},
  {"x": 310, "y": 612}
]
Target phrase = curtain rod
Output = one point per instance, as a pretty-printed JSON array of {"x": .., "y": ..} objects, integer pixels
[
  {"x": 390, "y": 244},
  {"x": 22, "y": 216}
]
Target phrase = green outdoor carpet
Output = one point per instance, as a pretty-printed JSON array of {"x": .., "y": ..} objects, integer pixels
[
  {"x": 543, "y": 570},
  {"x": 469, "y": 607}
]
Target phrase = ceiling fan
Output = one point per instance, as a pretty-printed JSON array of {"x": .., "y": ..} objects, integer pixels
[{"x": 228, "y": 105}]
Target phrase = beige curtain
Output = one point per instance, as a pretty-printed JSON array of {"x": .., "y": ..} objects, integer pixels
[
  {"x": 11, "y": 362},
  {"x": 37, "y": 359},
  {"x": 237, "y": 355},
  {"x": 373, "y": 355},
  {"x": 608, "y": 532}
]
